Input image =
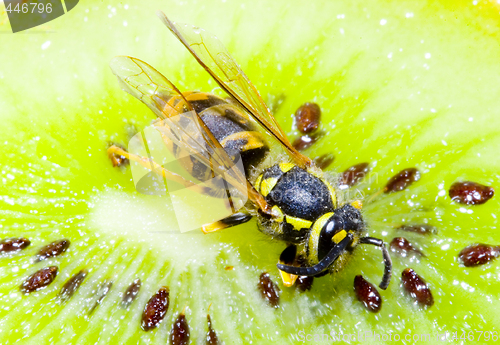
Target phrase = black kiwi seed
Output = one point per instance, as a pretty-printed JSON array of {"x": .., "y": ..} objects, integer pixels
[
  {"x": 304, "y": 283},
  {"x": 70, "y": 287},
  {"x": 39, "y": 279},
  {"x": 402, "y": 180},
  {"x": 101, "y": 294},
  {"x": 478, "y": 254},
  {"x": 155, "y": 309},
  {"x": 368, "y": 294},
  {"x": 353, "y": 175},
  {"x": 9, "y": 245},
  {"x": 268, "y": 290},
  {"x": 424, "y": 229},
  {"x": 55, "y": 248},
  {"x": 211, "y": 335},
  {"x": 179, "y": 335},
  {"x": 417, "y": 287},
  {"x": 304, "y": 142},
  {"x": 131, "y": 293},
  {"x": 324, "y": 161},
  {"x": 404, "y": 248},
  {"x": 307, "y": 117},
  {"x": 470, "y": 193}
]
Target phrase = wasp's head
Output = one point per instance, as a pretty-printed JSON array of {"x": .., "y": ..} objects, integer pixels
[{"x": 331, "y": 228}]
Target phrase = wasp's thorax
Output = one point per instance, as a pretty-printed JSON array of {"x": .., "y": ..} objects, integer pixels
[{"x": 307, "y": 208}]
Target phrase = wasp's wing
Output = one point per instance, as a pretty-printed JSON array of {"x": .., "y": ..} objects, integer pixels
[
  {"x": 213, "y": 56},
  {"x": 185, "y": 128},
  {"x": 148, "y": 85},
  {"x": 181, "y": 129},
  {"x": 182, "y": 145}
]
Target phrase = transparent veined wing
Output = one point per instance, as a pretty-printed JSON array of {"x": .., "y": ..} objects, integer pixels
[
  {"x": 216, "y": 60},
  {"x": 149, "y": 86},
  {"x": 181, "y": 129}
]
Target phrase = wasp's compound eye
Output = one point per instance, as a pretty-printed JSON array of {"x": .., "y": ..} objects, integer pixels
[
  {"x": 345, "y": 218},
  {"x": 332, "y": 227}
]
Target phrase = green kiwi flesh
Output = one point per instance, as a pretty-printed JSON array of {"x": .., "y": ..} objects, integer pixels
[{"x": 401, "y": 84}]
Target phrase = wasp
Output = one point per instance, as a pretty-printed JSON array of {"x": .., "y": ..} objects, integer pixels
[{"x": 292, "y": 199}]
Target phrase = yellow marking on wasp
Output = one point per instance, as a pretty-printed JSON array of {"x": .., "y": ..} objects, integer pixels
[
  {"x": 339, "y": 236},
  {"x": 213, "y": 227},
  {"x": 287, "y": 278},
  {"x": 285, "y": 167},
  {"x": 267, "y": 185},
  {"x": 257, "y": 183},
  {"x": 254, "y": 139},
  {"x": 189, "y": 93},
  {"x": 316, "y": 231},
  {"x": 197, "y": 96},
  {"x": 320, "y": 222},
  {"x": 174, "y": 106},
  {"x": 357, "y": 204},
  {"x": 333, "y": 195},
  {"x": 298, "y": 223},
  {"x": 279, "y": 214}
]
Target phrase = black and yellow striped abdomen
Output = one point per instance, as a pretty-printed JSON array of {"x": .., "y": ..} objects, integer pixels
[{"x": 229, "y": 125}]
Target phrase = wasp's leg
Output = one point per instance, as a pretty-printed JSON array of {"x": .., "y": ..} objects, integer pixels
[
  {"x": 287, "y": 257},
  {"x": 155, "y": 167},
  {"x": 117, "y": 159},
  {"x": 232, "y": 220},
  {"x": 386, "y": 279},
  {"x": 357, "y": 204},
  {"x": 329, "y": 259}
]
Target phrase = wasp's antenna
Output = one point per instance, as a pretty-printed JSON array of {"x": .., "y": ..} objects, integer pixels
[{"x": 386, "y": 279}]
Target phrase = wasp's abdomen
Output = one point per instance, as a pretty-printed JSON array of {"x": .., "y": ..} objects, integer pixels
[{"x": 230, "y": 126}]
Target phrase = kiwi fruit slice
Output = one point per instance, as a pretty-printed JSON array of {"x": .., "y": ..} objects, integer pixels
[{"x": 401, "y": 84}]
